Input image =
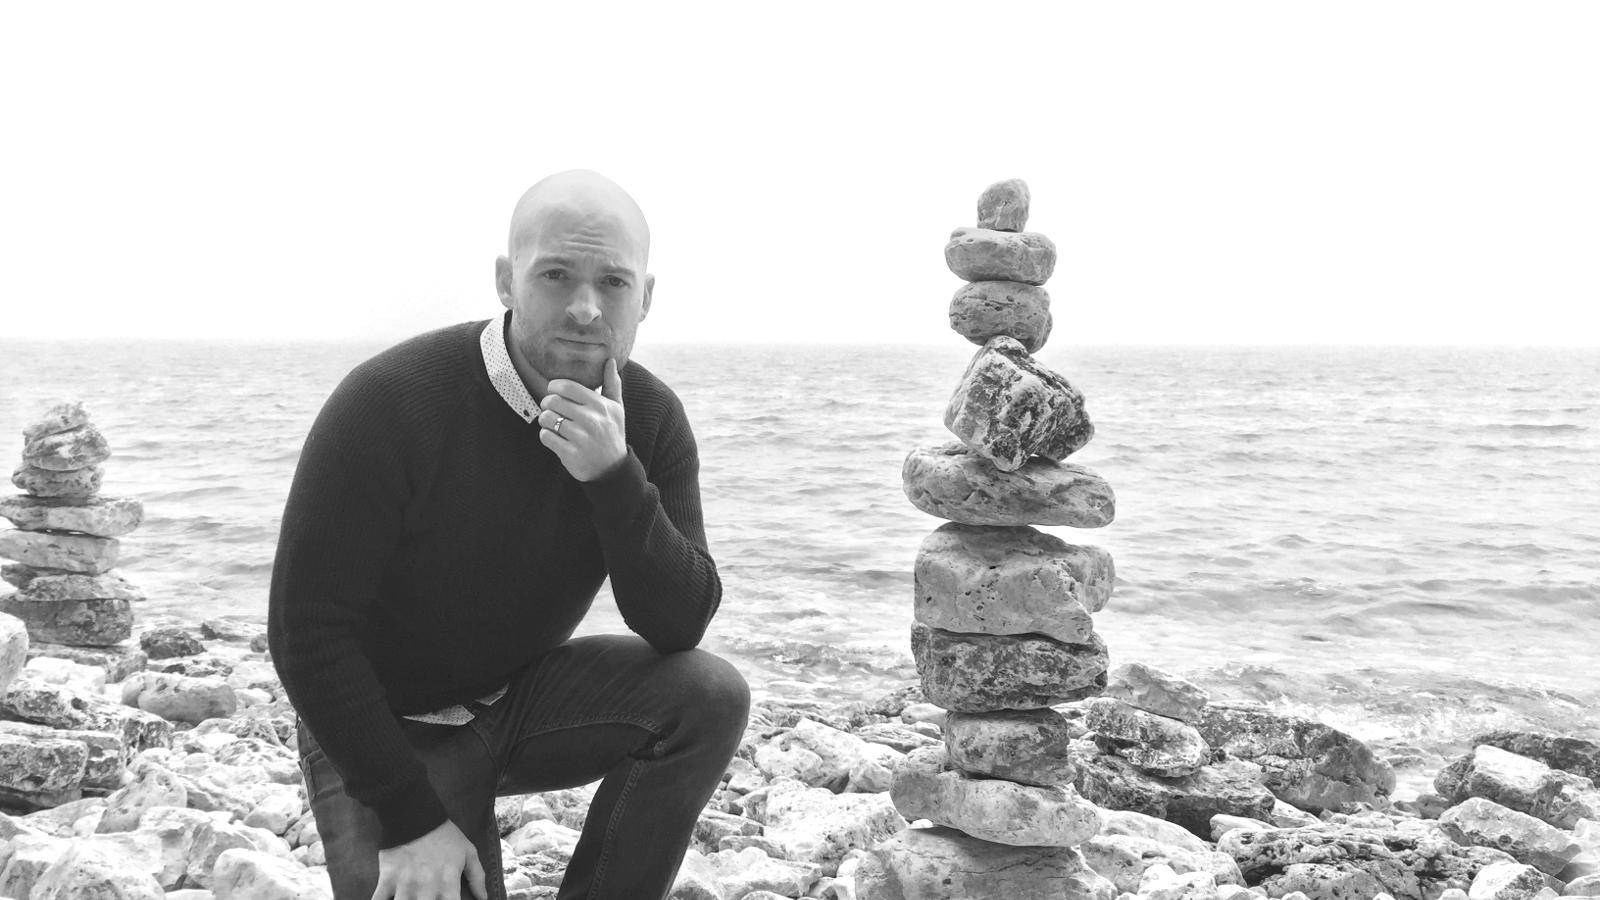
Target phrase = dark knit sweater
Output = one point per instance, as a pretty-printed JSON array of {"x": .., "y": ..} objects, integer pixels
[{"x": 432, "y": 546}]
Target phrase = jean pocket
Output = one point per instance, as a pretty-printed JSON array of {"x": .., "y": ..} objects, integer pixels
[{"x": 308, "y": 769}]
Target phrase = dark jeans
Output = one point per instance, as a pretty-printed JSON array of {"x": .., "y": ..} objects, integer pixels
[{"x": 659, "y": 729}]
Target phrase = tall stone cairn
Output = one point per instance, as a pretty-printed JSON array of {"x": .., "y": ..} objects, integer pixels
[
  {"x": 65, "y": 544},
  {"x": 1003, "y": 625}
]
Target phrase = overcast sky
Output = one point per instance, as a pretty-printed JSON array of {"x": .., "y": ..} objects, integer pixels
[{"x": 1276, "y": 172}]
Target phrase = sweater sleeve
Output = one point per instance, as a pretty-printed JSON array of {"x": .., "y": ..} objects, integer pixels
[
  {"x": 653, "y": 537},
  {"x": 341, "y": 525}
]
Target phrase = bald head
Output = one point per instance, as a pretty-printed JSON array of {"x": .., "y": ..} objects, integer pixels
[{"x": 578, "y": 196}]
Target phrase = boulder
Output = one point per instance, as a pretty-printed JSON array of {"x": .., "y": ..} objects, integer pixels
[
  {"x": 29, "y": 856},
  {"x": 747, "y": 870},
  {"x": 1569, "y": 754},
  {"x": 1003, "y": 206},
  {"x": 127, "y": 806},
  {"x": 984, "y": 254},
  {"x": 820, "y": 827},
  {"x": 82, "y": 623},
  {"x": 1026, "y": 746},
  {"x": 1152, "y": 690},
  {"x": 102, "y": 516},
  {"x": 941, "y": 863},
  {"x": 1232, "y": 787},
  {"x": 67, "y": 451},
  {"x": 180, "y": 698},
  {"x": 989, "y": 579},
  {"x": 106, "y": 754},
  {"x": 38, "y": 772},
  {"x": 74, "y": 818},
  {"x": 13, "y": 649},
  {"x": 1124, "y": 859},
  {"x": 1488, "y": 824},
  {"x": 61, "y": 707},
  {"x": 982, "y": 310},
  {"x": 79, "y": 484},
  {"x": 1008, "y": 407},
  {"x": 63, "y": 416},
  {"x": 1000, "y": 811},
  {"x": 69, "y": 552},
  {"x": 118, "y": 661},
  {"x": 168, "y": 643},
  {"x": 1507, "y": 881},
  {"x": 952, "y": 482},
  {"x": 985, "y": 673},
  {"x": 242, "y": 874},
  {"x": 101, "y": 869},
  {"x": 1156, "y": 745},
  {"x": 1306, "y": 763},
  {"x": 1520, "y": 783}
]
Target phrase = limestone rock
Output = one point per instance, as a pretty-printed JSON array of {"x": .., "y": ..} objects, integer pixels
[
  {"x": 1232, "y": 787},
  {"x": 1507, "y": 881},
  {"x": 895, "y": 737},
  {"x": 1306, "y": 763},
  {"x": 1026, "y": 746},
  {"x": 38, "y": 772},
  {"x": 65, "y": 672},
  {"x": 981, "y": 310},
  {"x": 985, "y": 673},
  {"x": 1275, "y": 852},
  {"x": 1222, "y": 823},
  {"x": 168, "y": 643},
  {"x": 252, "y": 875},
  {"x": 750, "y": 870},
  {"x": 1569, "y": 754},
  {"x": 103, "y": 517},
  {"x": 1528, "y": 840},
  {"x": 1160, "y": 882},
  {"x": 542, "y": 835},
  {"x": 82, "y": 623},
  {"x": 105, "y": 755},
  {"x": 1010, "y": 580},
  {"x": 1008, "y": 407},
  {"x": 941, "y": 864},
  {"x": 952, "y": 482},
  {"x": 1003, "y": 206},
  {"x": 1324, "y": 881},
  {"x": 118, "y": 662},
  {"x": 51, "y": 584},
  {"x": 983, "y": 254},
  {"x": 155, "y": 787},
  {"x": 59, "y": 417},
  {"x": 100, "y": 869},
  {"x": 180, "y": 698},
  {"x": 13, "y": 649},
  {"x": 991, "y": 809},
  {"x": 175, "y": 829},
  {"x": 1124, "y": 859},
  {"x": 1157, "y": 745},
  {"x": 838, "y": 753},
  {"x": 696, "y": 879},
  {"x": 67, "y": 451},
  {"x": 1137, "y": 824},
  {"x": 1583, "y": 886},
  {"x": 212, "y": 839},
  {"x": 820, "y": 827},
  {"x": 76, "y": 484},
  {"x": 1520, "y": 783},
  {"x": 29, "y": 857},
  {"x": 69, "y": 552},
  {"x": 60, "y": 707},
  {"x": 1152, "y": 690}
]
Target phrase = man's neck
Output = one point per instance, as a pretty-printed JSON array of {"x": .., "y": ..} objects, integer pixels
[{"x": 532, "y": 378}]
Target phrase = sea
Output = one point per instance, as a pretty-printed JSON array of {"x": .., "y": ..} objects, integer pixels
[{"x": 1403, "y": 542}]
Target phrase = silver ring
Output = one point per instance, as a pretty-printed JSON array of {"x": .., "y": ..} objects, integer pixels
[{"x": 560, "y": 419}]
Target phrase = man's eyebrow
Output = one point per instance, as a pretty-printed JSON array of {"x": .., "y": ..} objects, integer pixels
[{"x": 557, "y": 259}]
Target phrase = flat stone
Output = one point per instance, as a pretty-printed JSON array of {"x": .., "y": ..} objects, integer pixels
[
  {"x": 942, "y": 863},
  {"x": 986, "y": 673},
  {"x": 893, "y": 736},
  {"x": 746, "y": 871},
  {"x": 1152, "y": 690},
  {"x": 102, "y": 516},
  {"x": 1157, "y": 745},
  {"x": 1520, "y": 783},
  {"x": 1486, "y": 823},
  {"x": 1026, "y": 746},
  {"x": 118, "y": 662},
  {"x": 70, "y": 552},
  {"x": 67, "y": 451},
  {"x": 1003, "y": 206},
  {"x": 820, "y": 827},
  {"x": 53, "y": 585},
  {"x": 83, "y": 623},
  {"x": 13, "y": 649},
  {"x": 991, "y": 579},
  {"x": 1008, "y": 407},
  {"x": 1232, "y": 787},
  {"x": 37, "y": 772},
  {"x": 77, "y": 484},
  {"x": 65, "y": 708},
  {"x": 983, "y": 254},
  {"x": 989, "y": 808},
  {"x": 1311, "y": 765},
  {"x": 1507, "y": 881},
  {"x": 60, "y": 417},
  {"x": 19, "y": 575},
  {"x": 983, "y": 310},
  {"x": 1125, "y": 859},
  {"x": 952, "y": 482},
  {"x": 106, "y": 754},
  {"x": 180, "y": 698},
  {"x": 1569, "y": 754}
]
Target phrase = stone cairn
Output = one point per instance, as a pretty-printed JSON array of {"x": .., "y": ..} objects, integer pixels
[{"x": 1003, "y": 628}]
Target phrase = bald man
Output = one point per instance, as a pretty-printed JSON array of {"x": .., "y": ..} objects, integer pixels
[{"x": 457, "y": 505}]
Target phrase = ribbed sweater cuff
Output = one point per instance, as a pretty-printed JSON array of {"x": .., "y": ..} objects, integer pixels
[
  {"x": 410, "y": 814},
  {"x": 615, "y": 496}
]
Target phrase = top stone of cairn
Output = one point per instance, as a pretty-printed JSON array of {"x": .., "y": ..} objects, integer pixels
[
  {"x": 56, "y": 419},
  {"x": 1003, "y": 206}
]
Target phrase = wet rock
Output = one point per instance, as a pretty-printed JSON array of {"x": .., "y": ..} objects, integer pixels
[
  {"x": 983, "y": 254},
  {"x": 118, "y": 661},
  {"x": 982, "y": 310},
  {"x": 106, "y": 755},
  {"x": 991, "y": 809},
  {"x": 986, "y": 579},
  {"x": 180, "y": 698},
  {"x": 1124, "y": 859},
  {"x": 252, "y": 875},
  {"x": 82, "y": 623},
  {"x": 1152, "y": 690},
  {"x": 1232, "y": 787},
  {"x": 67, "y": 451},
  {"x": 13, "y": 649},
  {"x": 1507, "y": 881},
  {"x": 63, "y": 416},
  {"x": 929, "y": 863},
  {"x": 69, "y": 552},
  {"x": 155, "y": 787},
  {"x": 1569, "y": 754},
  {"x": 1520, "y": 783},
  {"x": 102, "y": 517},
  {"x": 166, "y": 643},
  {"x": 77, "y": 484},
  {"x": 1154, "y": 744},
  {"x": 39, "y": 772},
  {"x": 952, "y": 482},
  {"x": 1488, "y": 824},
  {"x": 1026, "y": 746},
  {"x": 1003, "y": 206},
  {"x": 98, "y": 868},
  {"x": 227, "y": 630},
  {"x": 1306, "y": 763},
  {"x": 1341, "y": 853},
  {"x": 1008, "y": 407},
  {"x": 819, "y": 827},
  {"x": 986, "y": 673},
  {"x": 751, "y": 870}
]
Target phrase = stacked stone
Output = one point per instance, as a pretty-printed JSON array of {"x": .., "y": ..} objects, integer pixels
[
  {"x": 65, "y": 544},
  {"x": 1003, "y": 624}
]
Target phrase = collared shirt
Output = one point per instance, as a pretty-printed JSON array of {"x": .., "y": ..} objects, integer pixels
[{"x": 508, "y": 384}]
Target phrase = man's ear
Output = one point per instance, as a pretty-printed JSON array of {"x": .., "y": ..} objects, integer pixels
[
  {"x": 502, "y": 280},
  {"x": 649, "y": 289}
]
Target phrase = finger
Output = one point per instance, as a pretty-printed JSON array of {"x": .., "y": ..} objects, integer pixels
[
  {"x": 611, "y": 384},
  {"x": 476, "y": 880},
  {"x": 557, "y": 443},
  {"x": 384, "y": 890},
  {"x": 573, "y": 391},
  {"x": 558, "y": 404}
]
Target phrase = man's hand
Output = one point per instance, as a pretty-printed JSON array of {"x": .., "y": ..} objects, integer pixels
[
  {"x": 585, "y": 428},
  {"x": 430, "y": 868}
]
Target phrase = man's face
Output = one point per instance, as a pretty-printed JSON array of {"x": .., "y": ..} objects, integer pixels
[{"x": 577, "y": 290}]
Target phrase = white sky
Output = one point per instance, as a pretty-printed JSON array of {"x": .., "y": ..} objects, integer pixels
[{"x": 1275, "y": 172}]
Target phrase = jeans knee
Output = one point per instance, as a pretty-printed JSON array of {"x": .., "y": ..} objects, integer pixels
[{"x": 717, "y": 695}]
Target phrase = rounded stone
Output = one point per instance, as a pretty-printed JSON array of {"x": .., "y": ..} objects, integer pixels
[
  {"x": 952, "y": 482},
  {"x": 66, "y": 451},
  {"x": 981, "y": 310},
  {"x": 1003, "y": 206},
  {"x": 1031, "y": 746},
  {"x": 58, "y": 418},
  {"x": 986, "y": 673},
  {"x": 983, "y": 254},
  {"x": 78, "y": 483}
]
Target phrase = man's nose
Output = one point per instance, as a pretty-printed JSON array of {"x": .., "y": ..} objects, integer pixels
[{"x": 585, "y": 306}]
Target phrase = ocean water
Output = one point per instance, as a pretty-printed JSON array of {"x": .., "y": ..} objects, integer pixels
[{"x": 1404, "y": 542}]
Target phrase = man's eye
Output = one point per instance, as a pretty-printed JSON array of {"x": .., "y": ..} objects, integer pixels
[
  {"x": 614, "y": 281},
  {"x": 553, "y": 274}
]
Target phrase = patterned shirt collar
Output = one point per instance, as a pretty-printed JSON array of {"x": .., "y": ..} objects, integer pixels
[{"x": 502, "y": 374}]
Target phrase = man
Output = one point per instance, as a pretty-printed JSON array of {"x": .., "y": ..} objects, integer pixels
[{"x": 458, "y": 503}]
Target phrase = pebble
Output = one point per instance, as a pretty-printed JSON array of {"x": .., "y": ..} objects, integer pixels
[
  {"x": 1003, "y": 206},
  {"x": 166, "y": 643}
]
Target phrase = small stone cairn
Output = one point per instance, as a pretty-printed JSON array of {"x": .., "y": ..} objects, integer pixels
[{"x": 1003, "y": 624}]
